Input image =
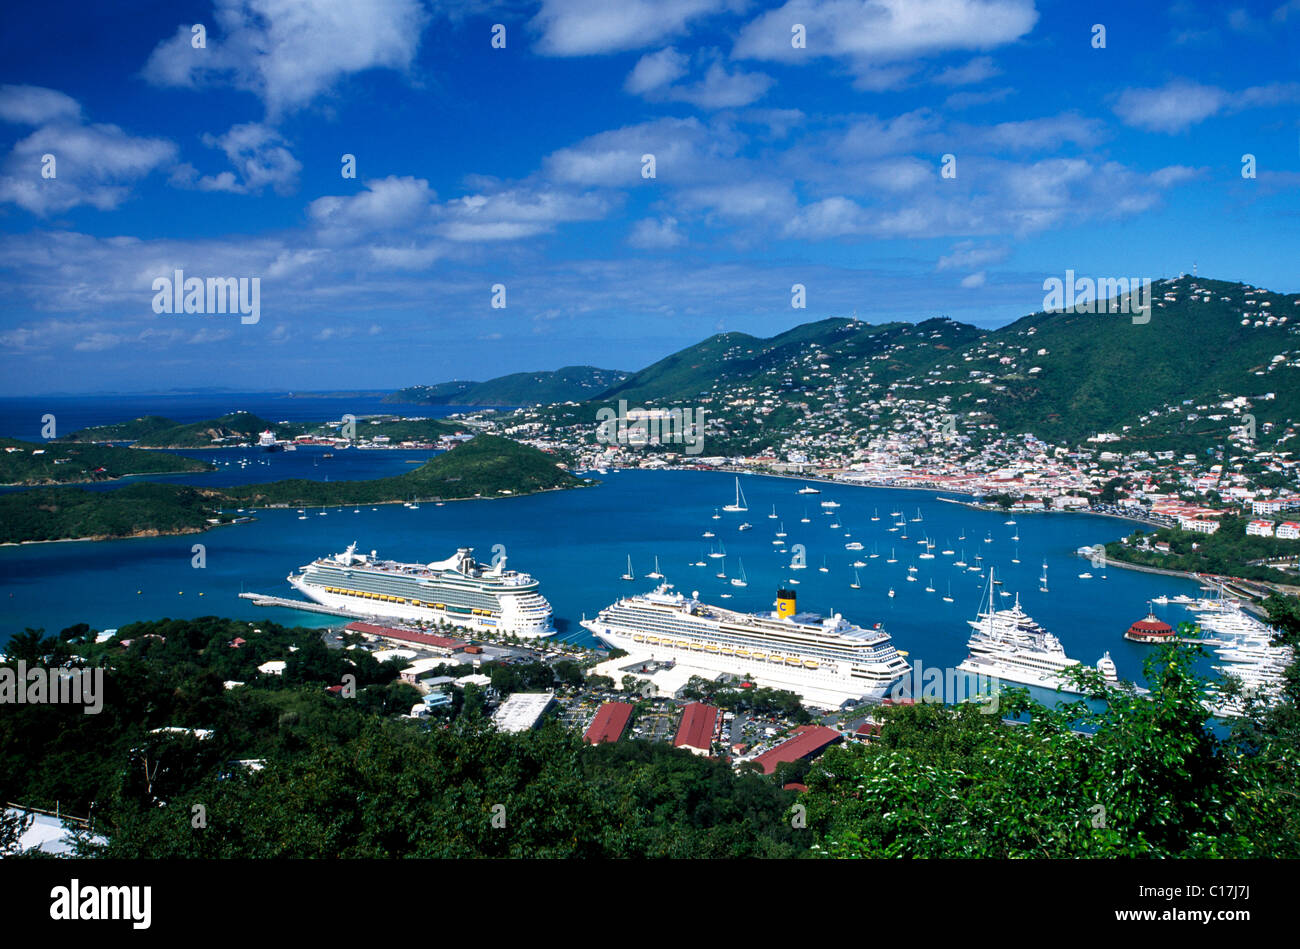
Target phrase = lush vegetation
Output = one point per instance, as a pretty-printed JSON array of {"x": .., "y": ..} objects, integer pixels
[
  {"x": 487, "y": 466},
  {"x": 337, "y": 776},
  {"x": 1228, "y": 551},
  {"x": 569, "y": 384},
  {"x": 59, "y": 463},
  {"x": 154, "y": 431},
  {"x": 346, "y": 777},
  {"x": 133, "y": 510},
  {"x": 1138, "y": 778}
]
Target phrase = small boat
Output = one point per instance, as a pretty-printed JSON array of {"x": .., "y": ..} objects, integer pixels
[
  {"x": 740, "y": 503},
  {"x": 1085, "y": 575},
  {"x": 875, "y": 514},
  {"x": 823, "y": 568},
  {"x": 917, "y": 519},
  {"x": 988, "y": 539},
  {"x": 716, "y": 515},
  {"x": 948, "y": 598},
  {"x": 745, "y": 526},
  {"x": 710, "y": 534},
  {"x": 772, "y": 516},
  {"x": 892, "y": 558},
  {"x": 655, "y": 574},
  {"x": 1010, "y": 521},
  {"x": 740, "y": 581},
  {"x": 805, "y": 519},
  {"x": 859, "y": 563},
  {"x": 834, "y": 525},
  {"x": 781, "y": 532},
  {"x": 793, "y": 580},
  {"x": 929, "y": 587},
  {"x": 629, "y": 575},
  {"x": 808, "y": 489},
  {"x": 962, "y": 561},
  {"x": 891, "y": 591},
  {"x": 830, "y": 505},
  {"x": 715, "y": 554},
  {"x": 857, "y": 583}
]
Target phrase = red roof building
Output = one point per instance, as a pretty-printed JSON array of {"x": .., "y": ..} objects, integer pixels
[
  {"x": 441, "y": 643},
  {"x": 808, "y": 740},
  {"x": 696, "y": 730},
  {"x": 610, "y": 721},
  {"x": 1150, "y": 630}
]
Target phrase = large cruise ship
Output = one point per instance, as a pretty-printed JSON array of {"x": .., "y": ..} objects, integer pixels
[
  {"x": 1009, "y": 646},
  {"x": 459, "y": 591},
  {"x": 828, "y": 661}
]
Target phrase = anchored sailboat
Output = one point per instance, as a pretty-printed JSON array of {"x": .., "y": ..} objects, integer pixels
[{"x": 740, "y": 504}]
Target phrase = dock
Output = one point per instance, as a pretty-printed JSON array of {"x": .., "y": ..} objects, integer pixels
[{"x": 266, "y": 599}]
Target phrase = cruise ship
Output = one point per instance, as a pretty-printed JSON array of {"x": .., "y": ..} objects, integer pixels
[
  {"x": 827, "y": 661},
  {"x": 1008, "y": 645},
  {"x": 459, "y": 591}
]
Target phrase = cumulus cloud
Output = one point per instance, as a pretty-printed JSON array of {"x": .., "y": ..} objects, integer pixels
[
  {"x": 876, "y": 39},
  {"x": 259, "y": 154},
  {"x": 1181, "y": 103},
  {"x": 288, "y": 52},
  {"x": 656, "y": 76},
  {"x": 93, "y": 165},
  {"x": 656, "y": 234},
  {"x": 590, "y": 27}
]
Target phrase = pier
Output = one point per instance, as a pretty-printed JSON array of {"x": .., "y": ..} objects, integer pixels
[{"x": 265, "y": 599}]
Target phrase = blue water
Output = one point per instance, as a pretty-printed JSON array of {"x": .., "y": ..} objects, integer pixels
[
  {"x": 577, "y": 544},
  {"x": 22, "y": 417}
]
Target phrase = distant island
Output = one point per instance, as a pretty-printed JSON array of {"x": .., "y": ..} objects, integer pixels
[
  {"x": 237, "y": 429},
  {"x": 39, "y": 463},
  {"x": 485, "y": 467},
  {"x": 568, "y": 384}
]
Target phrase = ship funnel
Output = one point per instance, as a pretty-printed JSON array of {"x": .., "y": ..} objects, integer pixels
[{"x": 785, "y": 603}]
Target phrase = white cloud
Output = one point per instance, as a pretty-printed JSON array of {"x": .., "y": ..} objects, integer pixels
[
  {"x": 288, "y": 52},
  {"x": 967, "y": 255},
  {"x": 656, "y": 234},
  {"x": 93, "y": 164},
  {"x": 1173, "y": 107},
  {"x": 977, "y": 70},
  {"x": 870, "y": 36},
  {"x": 656, "y": 70},
  {"x": 973, "y": 281},
  {"x": 260, "y": 155},
  {"x": 34, "y": 105},
  {"x": 590, "y": 27}
]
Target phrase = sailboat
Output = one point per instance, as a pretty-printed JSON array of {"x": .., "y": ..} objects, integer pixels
[
  {"x": 1016, "y": 558},
  {"x": 655, "y": 574},
  {"x": 962, "y": 561},
  {"x": 875, "y": 551},
  {"x": 716, "y": 515},
  {"x": 917, "y": 519},
  {"x": 716, "y": 554},
  {"x": 929, "y": 551},
  {"x": 875, "y": 514},
  {"x": 629, "y": 575},
  {"x": 772, "y": 516},
  {"x": 891, "y": 591},
  {"x": 722, "y": 574},
  {"x": 857, "y": 583},
  {"x": 929, "y": 587},
  {"x": 1043, "y": 579},
  {"x": 740, "y": 581},
  {"x": 805, "y": 519},
  {"x": 892, "y": 558},
  {"x": 710, "y": 534},
  {"x": 781, "y": 532},
  {"x": 740, "y": 504},
  {"x": 948, "y": 598},
  {"x": 823, "y": 568}
]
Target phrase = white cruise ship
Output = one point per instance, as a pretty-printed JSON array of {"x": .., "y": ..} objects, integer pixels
[
  {"x": 459, "y": 591},
  {"x": 827, "y": 661},
  {"x": 1008, "y": 645}
]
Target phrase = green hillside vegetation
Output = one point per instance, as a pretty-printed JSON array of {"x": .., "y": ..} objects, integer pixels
[
  {"x": 348, "y": 777},
  {"x": 487, "y": 466},
  {"x": 61, "y": 463},
  {"x": 568, "y": 384},
  {"x": 136, "y": 509},
  {"x": 1227, "y": 551},
  {"x": 150, "y": 432}
]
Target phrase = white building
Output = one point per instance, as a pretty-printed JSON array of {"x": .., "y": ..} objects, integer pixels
[
  {"x": 1259, "y": 529},
  {"x": 522, "y": 711},
  {"x": 1288, "y": 530}
]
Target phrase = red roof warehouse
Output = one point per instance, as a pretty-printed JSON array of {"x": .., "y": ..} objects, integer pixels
[
  {"x": 808, "y": 741},
  {"x": 696, "y": 730},
  {"x": 408, "y": 636},
  {"x": 611, "y": 718}
]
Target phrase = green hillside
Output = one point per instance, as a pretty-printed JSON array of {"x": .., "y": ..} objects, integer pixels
[
  {"x": 153, "y": 431},
  {"x": 487, "y": 466},
  {"x": 29, "y": 463},
  {"x": 569, "y": 384}
]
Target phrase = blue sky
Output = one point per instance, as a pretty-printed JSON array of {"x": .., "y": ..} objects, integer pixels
[{"x": 521, "y": 166}]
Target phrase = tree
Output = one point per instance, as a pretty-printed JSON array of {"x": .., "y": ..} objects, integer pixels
[{"x": 12, "y": 827}]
